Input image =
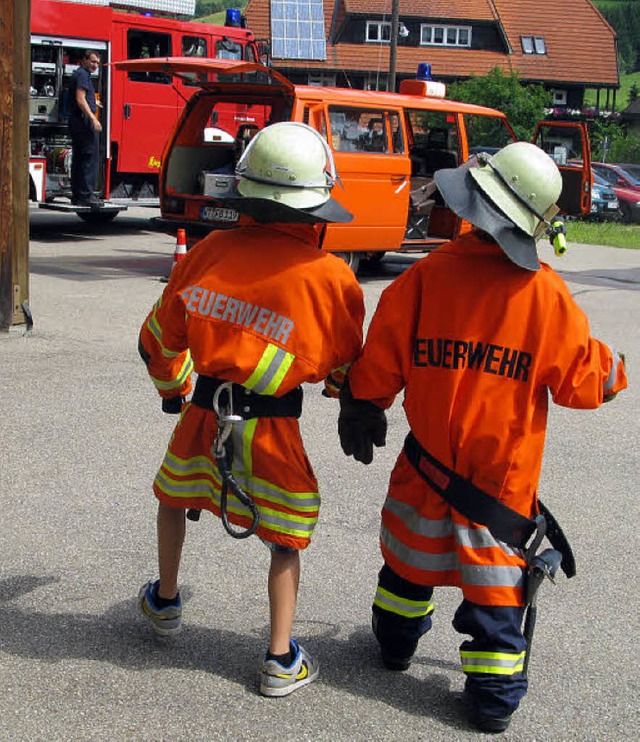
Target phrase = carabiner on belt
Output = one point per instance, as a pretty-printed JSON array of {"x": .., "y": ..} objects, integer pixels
[{"x": 221, "y": 450}]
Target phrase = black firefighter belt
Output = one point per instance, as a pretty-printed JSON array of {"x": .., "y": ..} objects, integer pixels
[
  {"x": 504, "y": 523},
  {"x": 246, "y": 403}
]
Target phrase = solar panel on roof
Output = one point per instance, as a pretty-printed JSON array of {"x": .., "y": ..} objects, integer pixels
[{"x": 297, "y": 29}]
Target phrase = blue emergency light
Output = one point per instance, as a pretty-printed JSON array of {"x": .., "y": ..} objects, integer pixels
[
  {"x": 424, "y": 71},
  {"x": 233, "y": 17}
]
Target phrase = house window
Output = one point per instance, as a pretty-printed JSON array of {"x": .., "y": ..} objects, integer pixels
[
  {"x": 444, "y": 35},
  {"x": 559, "y": 97},
  {"x": 322, "y": 79},
  {"x": 533, "y": 44},
  {"x": 379, "y": 31}
]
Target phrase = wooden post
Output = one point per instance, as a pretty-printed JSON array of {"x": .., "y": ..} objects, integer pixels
[
  {"x": 393, "y": 50},
  {"x": 15, "y": 76}
]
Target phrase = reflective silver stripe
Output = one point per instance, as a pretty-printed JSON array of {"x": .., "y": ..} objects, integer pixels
[
  {"x": 495, "y": 663},
  {"x": 473, "y": 574},
  {"x": 481, "y": 538},
  {"x": 611, "y": 379},
  {"x": 270, "y": 371},
  {"x": 183, "y": 467},
  {"x": 303, "y": 502},
  {"x": 287, "y": 523},
  {"x": 242, "y": 467},
  {"x": 415, "y": 523},
  {"x": 418, "y": 559},
  {"x": 281, "y": 522},
  {"x": 402, "y": 606}
]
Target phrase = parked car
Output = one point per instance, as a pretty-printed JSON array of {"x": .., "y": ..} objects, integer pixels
[
  {"x": 625, "y": 186},
  {"x": 604, "y": 202},
  {"x": 632, "y": 168}
]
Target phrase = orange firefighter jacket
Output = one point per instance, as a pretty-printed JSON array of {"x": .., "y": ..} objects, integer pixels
[
  {"x": 478, "y": 345},
  {"x": 263, "y": 307}
]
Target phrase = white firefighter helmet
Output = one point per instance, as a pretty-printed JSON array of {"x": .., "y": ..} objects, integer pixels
[
  {"x": 291, "y": 165},
  {"x": 523, "y": 182},
  {"x": 510, "y": 195}
]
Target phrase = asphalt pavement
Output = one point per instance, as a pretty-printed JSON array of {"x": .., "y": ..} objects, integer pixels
[{"x": 81, "y": 437}]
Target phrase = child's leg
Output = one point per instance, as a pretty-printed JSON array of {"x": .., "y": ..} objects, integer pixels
[
  {"x": 401, "y": 615},
  {"x": 284, "y": 577},
  {"x": 171, "y": 530},
  {"x": 492, "y": 660}
]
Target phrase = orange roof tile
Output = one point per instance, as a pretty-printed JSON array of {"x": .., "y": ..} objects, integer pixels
[
  {"x": 580, "y": 43},
  {"x": 455, "y": 9},
  {"x": 358, "y": 57}
]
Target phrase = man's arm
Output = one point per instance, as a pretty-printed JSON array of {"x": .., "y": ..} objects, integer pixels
[{"x": 83, "y": 105}]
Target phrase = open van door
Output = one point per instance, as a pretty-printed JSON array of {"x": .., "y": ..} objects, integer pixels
[{"x": 567, "y": 142}]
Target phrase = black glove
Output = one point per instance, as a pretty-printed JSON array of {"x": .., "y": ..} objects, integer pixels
[
  {"x": 361, "y": 425},
  {"x": 172, "y": 405}
]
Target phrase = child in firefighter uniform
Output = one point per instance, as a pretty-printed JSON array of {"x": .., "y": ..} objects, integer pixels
[
  {"x": 478, "y": 334},
  {"x": 255, "y": 311}
]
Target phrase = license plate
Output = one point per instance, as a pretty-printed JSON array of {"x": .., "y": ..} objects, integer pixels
[
  {"x": 612, "y": 205},
  {"x": 218, "y": 214}
]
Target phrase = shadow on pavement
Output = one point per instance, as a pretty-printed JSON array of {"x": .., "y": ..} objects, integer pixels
[
  {"x": 120, "y": 637},
  {"x": 614, "y": 278},
  {"x": 99, "y": 268}
]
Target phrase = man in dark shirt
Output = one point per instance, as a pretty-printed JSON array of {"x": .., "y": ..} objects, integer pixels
[{"x": 84, "y": 128}]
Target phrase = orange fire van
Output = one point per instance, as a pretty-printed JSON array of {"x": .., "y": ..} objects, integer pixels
[{"x": 386, "y": 148}]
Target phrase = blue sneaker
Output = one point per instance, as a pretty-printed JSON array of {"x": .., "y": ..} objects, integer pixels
[
  {"x": 164, "y": 621},
  {"x": 277, "y": 680}
]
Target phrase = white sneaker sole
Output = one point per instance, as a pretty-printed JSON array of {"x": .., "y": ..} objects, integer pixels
[{"x": 285, "y": 690}]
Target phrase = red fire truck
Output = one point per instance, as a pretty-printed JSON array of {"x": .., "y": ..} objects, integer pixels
[{"x": 139, "y": 108}]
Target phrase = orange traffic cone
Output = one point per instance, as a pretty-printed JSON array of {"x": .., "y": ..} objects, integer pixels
[
  {"x": 181, "y": 247},
  {"x": 179, "y": 252}
]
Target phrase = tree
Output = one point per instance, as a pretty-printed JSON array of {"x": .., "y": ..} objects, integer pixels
[{"x": 524, "y": 105}]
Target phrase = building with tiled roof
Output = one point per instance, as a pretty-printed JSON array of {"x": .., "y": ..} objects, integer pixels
[{"x": 567, "y": 46}]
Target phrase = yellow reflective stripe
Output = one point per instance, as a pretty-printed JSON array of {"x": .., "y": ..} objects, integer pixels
[
  {"x": 156, "y": 330},
  {"x": 495, "y": 663},
  {"x": 247, "y": 440},
  {"x": 270, "y": 371},
  {"x": 388, "y": 601},
  {"x": 492, "y": 670},
  {"x": 277, "y": 527},
  {"x": 263, "y": 365},
  {"x": 272, "y": 520},
  {"x": 507, "y": 656},
  {"x": 274, "y": 385},
  {"x": 187, "y": 467},
  {"x": 193, "y": 475},
  {"x": 183, "y": 375}
]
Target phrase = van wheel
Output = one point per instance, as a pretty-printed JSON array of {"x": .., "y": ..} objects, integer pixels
[
  {"x": 98, "y": 217},
  {"x": 352, "y": 259},
  {"x": 375, "y": 257}
]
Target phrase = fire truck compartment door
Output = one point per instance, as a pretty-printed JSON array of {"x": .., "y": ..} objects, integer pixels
[
  {"x": 567, "y": 143},
  {"x": 149, "y": 112},
  {"x": 186, "y": 65}
]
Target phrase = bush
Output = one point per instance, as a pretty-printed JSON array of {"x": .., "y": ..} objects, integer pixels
[
  {"x": 523, "y": 105},
  {"x": 621, "y": 146}
]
